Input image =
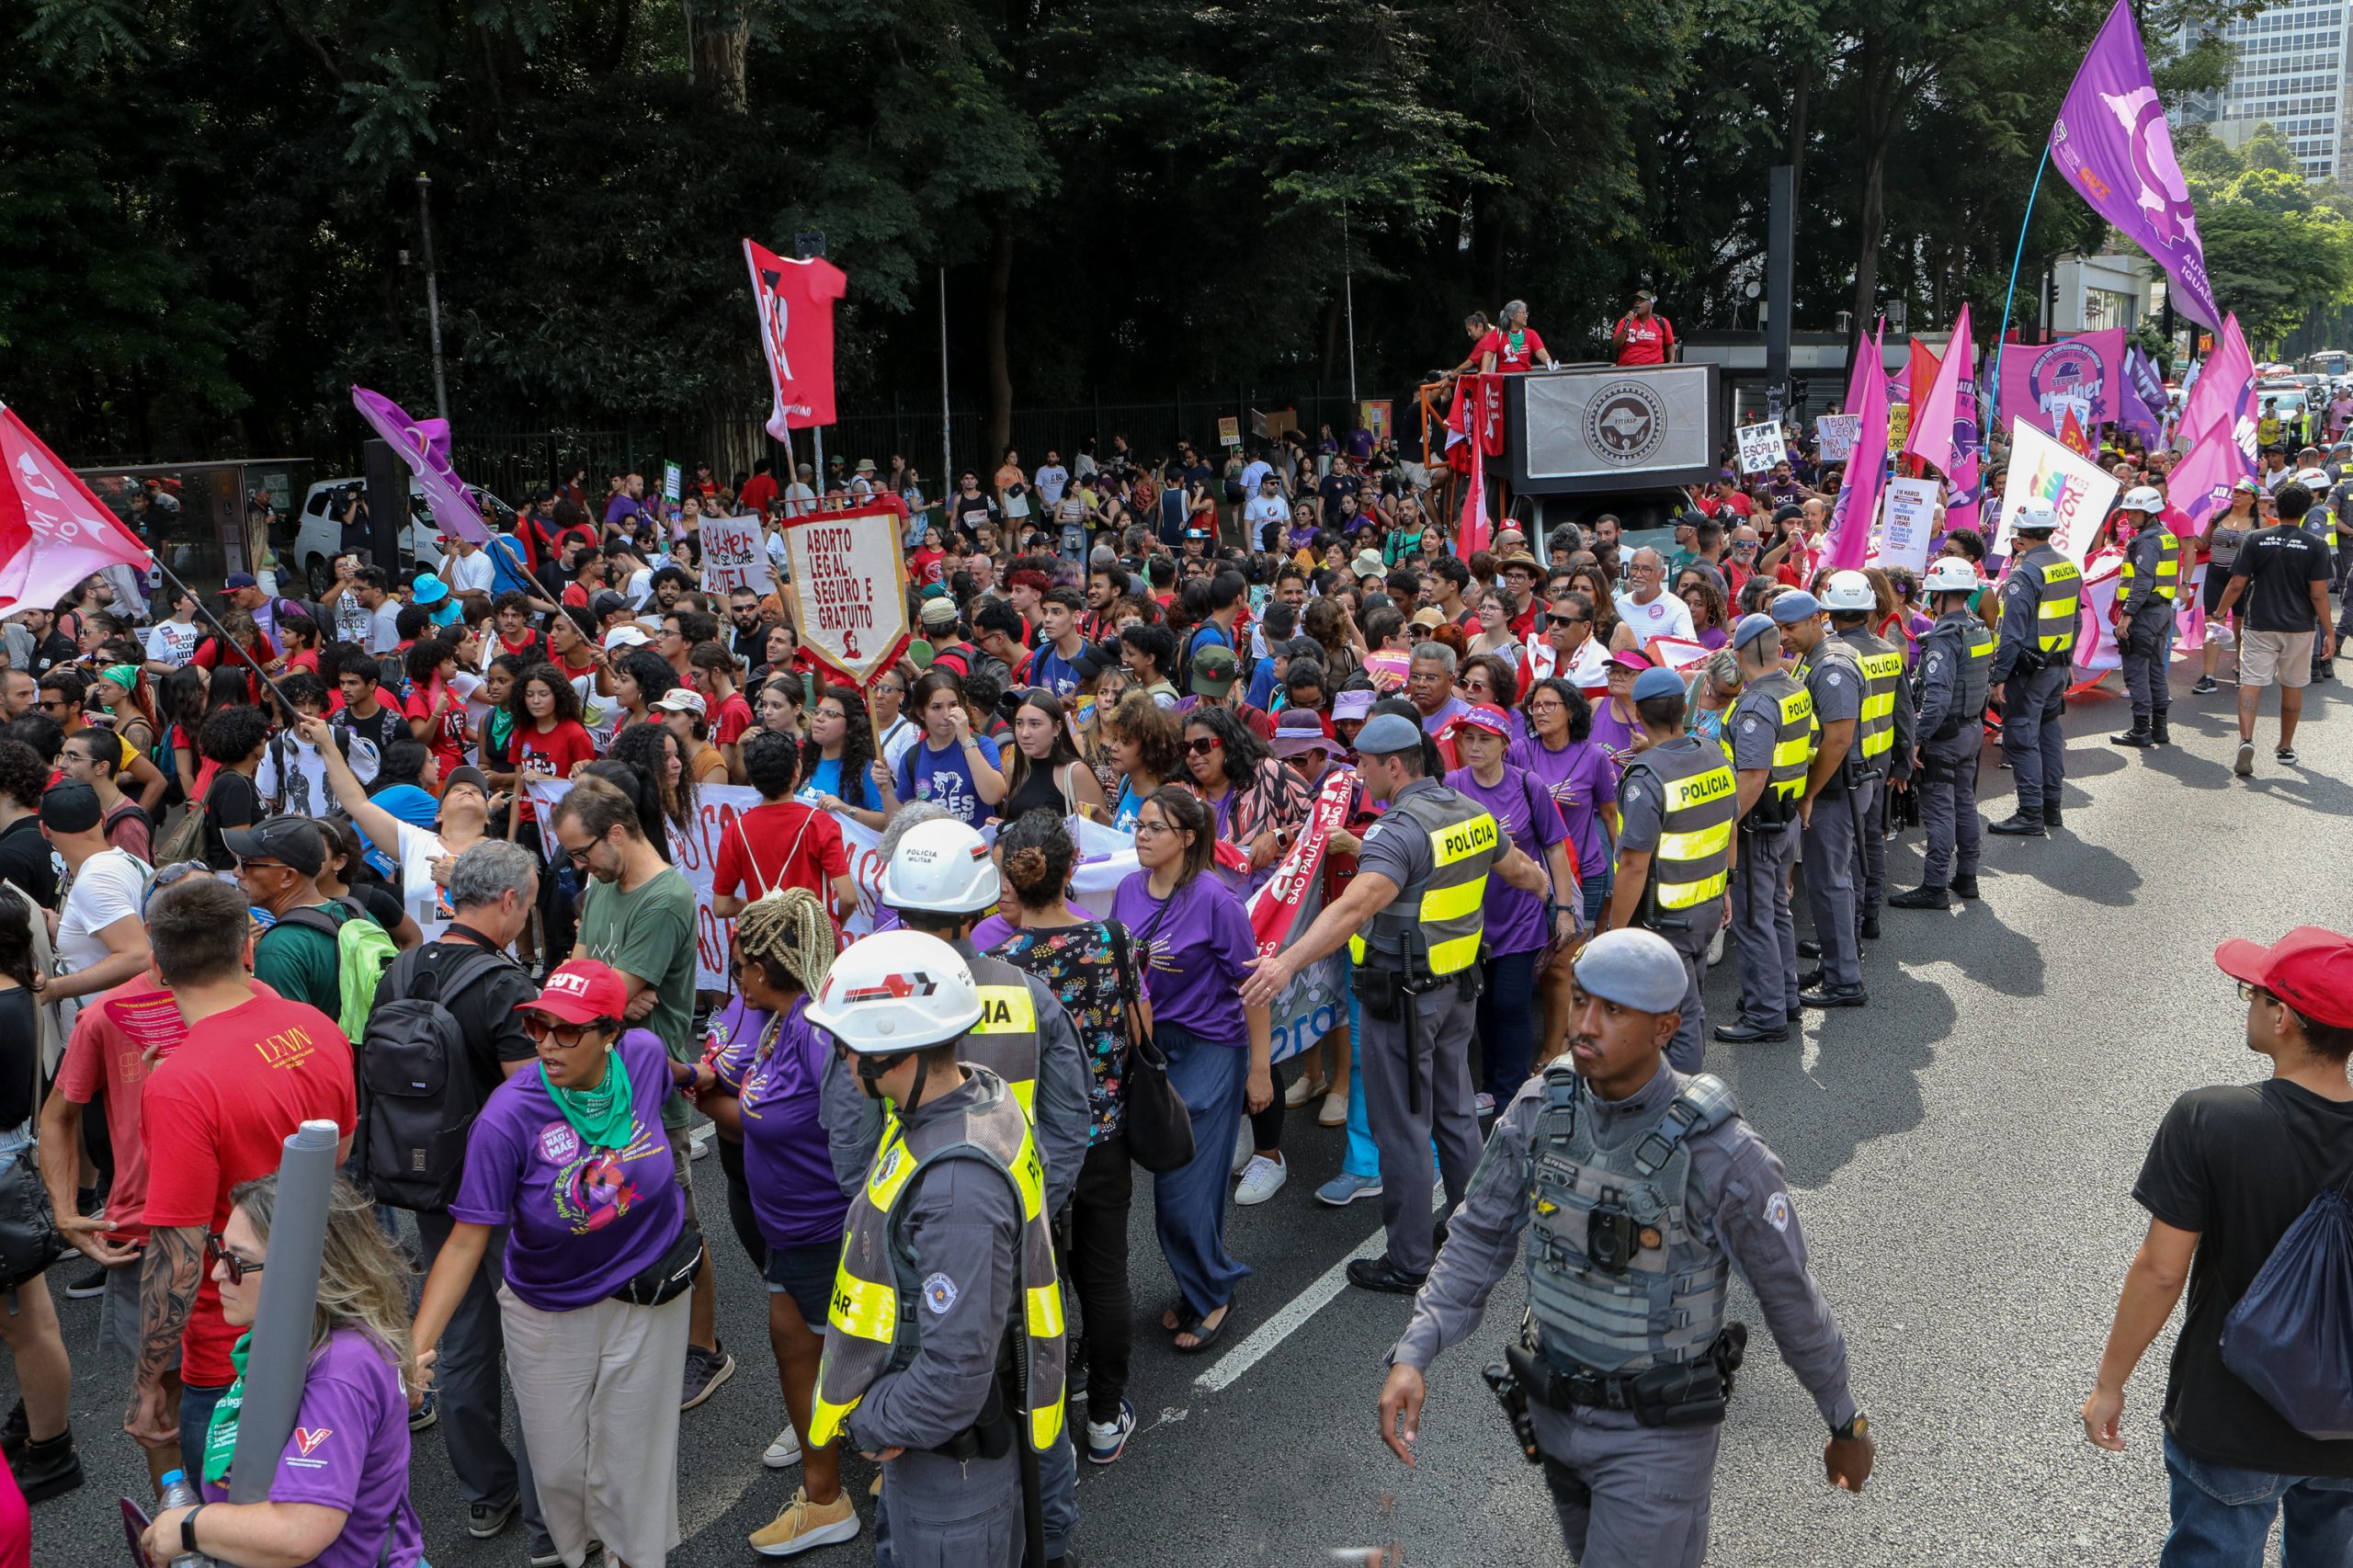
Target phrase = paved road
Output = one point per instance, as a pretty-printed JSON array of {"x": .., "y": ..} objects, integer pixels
[{"x": 1961, "y": 1155}]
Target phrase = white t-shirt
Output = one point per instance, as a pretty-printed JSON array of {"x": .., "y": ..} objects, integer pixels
[
  {"x": 1260, "y": 511},
  {"x": 1666, "y": 616},
  {"x": 468, "y": 573},
  {"x": 384, "y": 627},
  {"x": 420, "y": 895},
  {"x": 799, "y": 499},
  {"x": 1252, "y": 473},
  {"x": 105, "y": 889},
  {"x": 297, "y": 783},
  {"x": 1050, "y": 481}
]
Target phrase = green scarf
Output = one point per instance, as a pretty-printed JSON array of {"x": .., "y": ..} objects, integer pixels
[
  {"x": 604, "y": 1116},
  {"x": 221, "y": 1435},
  {"x": 1517, "y": 338}
]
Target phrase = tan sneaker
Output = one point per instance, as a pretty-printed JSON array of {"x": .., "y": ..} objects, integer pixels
[{"x": 804, "y": 1525}]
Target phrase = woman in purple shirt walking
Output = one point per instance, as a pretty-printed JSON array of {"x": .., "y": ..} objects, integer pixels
[
  {"x": 1194, "y": 942},
  {"x": 1562, "y": 755}
]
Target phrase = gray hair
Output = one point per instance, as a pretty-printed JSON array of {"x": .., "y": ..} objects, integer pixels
[
  {"x": 1511, "y": 308},
  {"x": 1436, "y": 653},
  {"x": 488, "y": 871},
  {"x": 909, "y": 813}
]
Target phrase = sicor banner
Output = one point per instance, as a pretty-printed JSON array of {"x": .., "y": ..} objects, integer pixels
[{"x": 2043, "y": 469}]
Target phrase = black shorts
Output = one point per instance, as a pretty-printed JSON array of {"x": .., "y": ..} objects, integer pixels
[{"x": 2216, "y": 586}]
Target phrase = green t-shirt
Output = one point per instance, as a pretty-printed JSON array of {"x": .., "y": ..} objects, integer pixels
[
  {"x": 300, "y": 964},
  {"x": 650, "y": 933}
]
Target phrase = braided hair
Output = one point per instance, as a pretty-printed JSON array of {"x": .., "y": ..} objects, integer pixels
[{"x": 790, "y": 935}]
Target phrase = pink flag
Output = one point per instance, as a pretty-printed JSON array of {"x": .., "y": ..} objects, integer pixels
[
  {"x": 1856, "y": 512},
  {"x": 1935, "y": 436},
  {"x": 2200, "y": 484},
  {"x": 2224, "y": 383},
  {"x": 1471, "y": 535},
  {"x": 424, "y": 445},
  {"x": 54, "y": 532}
]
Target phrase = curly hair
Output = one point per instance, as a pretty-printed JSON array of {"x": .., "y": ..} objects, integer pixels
[
  {"x": 857, "y": 744},
  {"x": 567, "y": 701},
  {"x": 645, "y": 748},
  {"x": 229, "y": 736},
  {"x": 1157, "y": 733},
  {"x": 651, "y": 671},
  {"x": 1580, "y": 711},
  {"x": 790, "y": 935}
]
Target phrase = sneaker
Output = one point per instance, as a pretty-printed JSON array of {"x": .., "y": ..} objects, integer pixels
[
  {"x": 485, "y": 1520},
  {"x": 1261, "y": 1179},
  {"x": 784, "y": 1452},
  {"x": 427, "y": 1414},
  {"x": 1107, "y": 1440},
  {"x": 1344, "y": 1189},
  {"x": 2285, "y": 756},
  {"x": 92, "y": 1284},
  {"x": 706, "y": 1370},
  {"x": 49, "y": 1468},
  {"x": 1245, "y": 1150},
  {"x": 2207, "y": 685},
  {"x": 544, "y": 1554},
  {"x": 699, "y": 1142},
  {"x": 805, "y": 1526},
  {"x": 2244, "y": 765},
  {"x": 1484, "y": 1105},
  {"x": 1716, "y": 948}
]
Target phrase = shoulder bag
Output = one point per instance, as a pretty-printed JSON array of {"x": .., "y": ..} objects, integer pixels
[
  {"x": 30, "y": 1242},
  {"x": 1159, "y": 1126}
]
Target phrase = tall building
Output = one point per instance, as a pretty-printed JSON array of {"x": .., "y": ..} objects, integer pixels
[{"x": 2290, "y": 71}]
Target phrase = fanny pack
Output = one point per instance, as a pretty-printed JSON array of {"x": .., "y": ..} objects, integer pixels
[{"x": 668, "y": 1277}]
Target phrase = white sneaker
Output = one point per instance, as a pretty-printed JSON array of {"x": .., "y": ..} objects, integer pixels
[
  {"x": 1261, "y": 1179},
  {"x": 1716, "y": 948},
  {"x": 1484, "y": 1105},
  {"x": 784, "y": 1452},
  {"x": 1244, "y": 1149}
]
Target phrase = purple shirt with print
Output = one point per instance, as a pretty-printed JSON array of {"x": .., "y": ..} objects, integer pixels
[
  {"x": 1524, "y": 809},
  {"x": 786, "y": 1166},
  {"x": 1201, "y": 949},
  {"x": 585, "y": 1221},
  {"x": 1582, "y": 779},
  {"x": 1615, "y": 735},
  {"x": 349, "y": 1452}
]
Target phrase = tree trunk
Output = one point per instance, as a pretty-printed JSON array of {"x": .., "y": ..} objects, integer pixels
[
  {"x": 719, "y": 36},
  {"x": 1000, "y": 371},
  {"x": 1876, "y": 128}
]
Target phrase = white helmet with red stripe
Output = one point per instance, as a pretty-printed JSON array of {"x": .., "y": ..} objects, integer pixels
[
  {"x": 896, "y": 992},
  {"x": 942, "y": 868},
  {"x": 1950, "y": 575}
]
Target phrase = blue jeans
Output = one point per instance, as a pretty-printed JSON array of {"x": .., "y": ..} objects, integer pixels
[
  {"x": 195, "y": 1421},
  {"x": 2221, "y": 1516},
  {"x": 1508, "y": 1014}
]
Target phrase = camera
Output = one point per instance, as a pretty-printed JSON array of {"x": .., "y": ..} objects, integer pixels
[{"x": 1609, "y": 1236}]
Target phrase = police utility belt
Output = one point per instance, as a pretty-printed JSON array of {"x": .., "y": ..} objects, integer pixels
[
  {"x": 1382, "y": 989},
  {"x": 1688, "y": 1393},
  {"x": 993, "y": 1432}
]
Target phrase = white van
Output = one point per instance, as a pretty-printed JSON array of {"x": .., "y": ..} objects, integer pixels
[{"x": 318, "y": 533}]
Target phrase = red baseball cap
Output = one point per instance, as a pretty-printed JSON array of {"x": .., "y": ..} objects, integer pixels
[
  {"x": 2311, "y": 969},
  {"x": 1482, "y": 716},
  {"x": 580, "y": 992}
]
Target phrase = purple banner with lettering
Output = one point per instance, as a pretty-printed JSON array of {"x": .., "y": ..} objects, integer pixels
[
  {"x": 424, "y": 445},
  {"x": 2083, "y": 373}
]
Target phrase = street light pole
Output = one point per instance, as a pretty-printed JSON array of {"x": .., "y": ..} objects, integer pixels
[{"x": 432, "y": 292}]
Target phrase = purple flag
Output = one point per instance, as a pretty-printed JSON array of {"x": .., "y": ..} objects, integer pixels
[
  {"x": 2225, "y": 392},
  {"x": 2200, "y": 486},
  {"x": 2111, "y": 143},
  {"x": 2133, "y": 412},
  {"x": 1944, "y": 426},
  {"x": 424, "y": 445},
  {"x": 1856, "y": 512}
]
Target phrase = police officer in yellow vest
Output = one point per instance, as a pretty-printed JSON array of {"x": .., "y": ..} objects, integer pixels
[
  {"x": 1412, "y": 918},
  {"x": 2327, "y": 521},
  {"x": 941, "y": 880},
  {"x": 1834, "y": 805},
  {"x": 1955, "y": 656},
  {"x": 1883, "y": 733},
  {"x": 944, "y": 1343},
  {"x": 2146, "y": 594},
  {"x": 1772, "y": 733},
  {"x": 1675, "y": 805},
  {"x": 2033, "y": 657}
]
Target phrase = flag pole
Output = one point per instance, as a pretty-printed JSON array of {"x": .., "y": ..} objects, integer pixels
[
  {"x": 1994, "y": 393},
  {"x": 220, "y": 630}
]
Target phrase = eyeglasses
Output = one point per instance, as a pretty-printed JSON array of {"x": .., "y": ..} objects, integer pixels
[
  {"x": 1567, "y": 620},
  {"x": 235, "y": 1267},
  {"x": 1201, "y": 746},
  {"x": 567, "y": 1036},
  {"x": 1147, "y": 828},
  {"x": 580, "y": 856}
]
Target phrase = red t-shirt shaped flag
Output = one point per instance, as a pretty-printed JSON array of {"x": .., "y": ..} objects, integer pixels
[
  {"x": 795, "y": 304},
  {"x": 54, "y": 532}
]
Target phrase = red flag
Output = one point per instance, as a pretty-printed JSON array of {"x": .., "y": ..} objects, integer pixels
[
  {"x": 54, "y": 532},
  {"x": 794, "y": 300},
  {"x": 2071, "y": 436},
  {"x": 1470, "y": 533}
]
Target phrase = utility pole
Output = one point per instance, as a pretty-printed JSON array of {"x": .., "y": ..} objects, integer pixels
[
  {"x": 432, "y": 292},
  {"x": 947, "y": 450},
  {"x": 1780, "y": 245},
  {"x": 1348, "y": 294}
]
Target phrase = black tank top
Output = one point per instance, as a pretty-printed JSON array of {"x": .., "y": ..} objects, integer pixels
[{"x": 1039, "y": 791}]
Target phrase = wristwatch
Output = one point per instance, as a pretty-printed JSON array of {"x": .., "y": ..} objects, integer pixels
[
  {"x": 188, "y": 1530},
  {"x": 1857, "y": 1427}
]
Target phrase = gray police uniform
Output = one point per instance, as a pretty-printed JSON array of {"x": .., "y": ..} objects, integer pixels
[
  {"x": 1954, "y": 657},
  {"x": 1631, "y": 1495},
  {"x": 1770, "y": 727},
  {"x": 1417, "y": 1081},
  {"x": 2033, "y": 657},
  {"x": 1676, "y": 804},
  {"x": 2146, "y": 597},
  {"x": 1885, "y": 735},
  {"x": 1833, "y": 832}
]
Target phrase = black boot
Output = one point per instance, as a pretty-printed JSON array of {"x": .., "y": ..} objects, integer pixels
[
  {"x": 2020, "y": 823},
  {"x": 2138, "y": 735},
  {"x": 14, "y": 1432},
  {"x": 1964, "y": 887},
  {"x": 2051, "y": 817},
  {"x": 1922, "y": 898},
  {"x": 1870, "y": 924},
  {"x": 1808, "y": 947},
  {"x": 49, "y": 1467},
  {"x": 2160, "y": 733}
]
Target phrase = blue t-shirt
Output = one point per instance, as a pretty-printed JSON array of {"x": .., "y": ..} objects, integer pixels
[
  {"x": 1053, "y": 672},
  {"x": 826, "y": 779},
  {"x": 943, "y": 776}
]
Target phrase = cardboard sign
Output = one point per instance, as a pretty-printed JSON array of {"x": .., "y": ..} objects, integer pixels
[
  {"x": 1760, "y": 448},
  {"x": 735, "y": 555},
  {"x": 2043, "y": 469},
  {"x": 673, "y": 481},
  {"x": 1837, "y": 434},
  {"x": 849, "y": 589},
  {"x": 1899, "y": 425},
  {"x": 1229, "y": 430},
  {"x": 1907, "y": 518},
  {"x": 1377, "y": 418},
  {"x": 1273, "y": 423}
]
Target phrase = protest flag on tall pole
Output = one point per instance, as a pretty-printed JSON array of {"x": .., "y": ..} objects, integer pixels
[
  {"x": 794, "y": 300},
  {"x": 424, "y": 445},
  {"x": 54, "y": 530},
  {"x": 2221, "y": 395},
  {"x": 1856, "y": 512}
]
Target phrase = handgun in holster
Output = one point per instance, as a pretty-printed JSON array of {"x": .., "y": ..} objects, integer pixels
[{"x": 1514, "y": 1399}]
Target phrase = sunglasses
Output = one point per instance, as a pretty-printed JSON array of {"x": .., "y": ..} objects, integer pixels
[
  {"x": 1201, "y": 746},
  {"x": 216, "y": 1250},
  {"x": 1567, "y": 620},
  {"x": 566, "y": 1036}
]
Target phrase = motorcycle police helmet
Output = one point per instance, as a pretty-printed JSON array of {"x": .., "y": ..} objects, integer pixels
[
  {"x": 2143, "y": 498},
  {"x": 1848, "y": 593},
  {"x": 942, "y": 868},
  {"x": 1950, "y": 575},
  {"x": 896, "y": 992},
  {"x": 2037, "y": 518}
]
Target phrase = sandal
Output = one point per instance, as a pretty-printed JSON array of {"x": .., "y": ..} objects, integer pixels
[
  {"x": 1204, "y": 1332},
  {"x": 1304, "y": 1089}
]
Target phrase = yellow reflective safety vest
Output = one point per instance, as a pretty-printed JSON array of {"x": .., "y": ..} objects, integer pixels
[
  {"x": 1797, "y": 736},
  {"x": 1006, "y": 1039},
  {"x": 1882, "y": 667},
  {"x": 872, "y": 1328},
  {"x": 1694, "y": 852},
  {"x": 2156, "y": 547},
  {"x": 2322, "y": 520},
  {"x": 2057, "y": 585},
  {"x": 1447, "y": 910}
]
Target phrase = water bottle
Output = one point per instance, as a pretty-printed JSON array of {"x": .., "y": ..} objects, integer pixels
[{"x": 178, "y": 1494}]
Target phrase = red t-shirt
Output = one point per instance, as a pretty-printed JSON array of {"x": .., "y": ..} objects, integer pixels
[
  {"x": 533, "y": 647},
  {"x": 211, "y": 655},
  {"x": 1644, "y": 340},
  {"x": 447, "y": 734},
  {"x": 735, "y": 718},
  {"x": 758, "y": 492},
  {"x": 553, "y": 754},
  {"x": 780, "y": 845},
  {"x": 216, "y": 1113},
  {"x": 308, "y": 659},
  {"x": 1510, "y": 360}
]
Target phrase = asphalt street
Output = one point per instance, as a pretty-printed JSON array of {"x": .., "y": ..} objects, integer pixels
[{"x": 1961, "y": 1155}]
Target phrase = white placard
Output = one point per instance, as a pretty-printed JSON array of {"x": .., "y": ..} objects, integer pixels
[
  {"x": 2043, "y": 469},
  {"x": 173, "y": 641},
  {"x": 1760, "y": 448},
  {"x": 848, "y": 588},
  {"x": 1837, "y": 434},
  {"x": 735, "y": 555},
  {"x": 1907, "y": 518}
]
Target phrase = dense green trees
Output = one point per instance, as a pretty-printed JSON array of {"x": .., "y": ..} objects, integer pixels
[{"x": 213, "y": 210}]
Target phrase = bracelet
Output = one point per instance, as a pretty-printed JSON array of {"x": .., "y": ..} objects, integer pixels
[{"x": 188, "y": 1528}]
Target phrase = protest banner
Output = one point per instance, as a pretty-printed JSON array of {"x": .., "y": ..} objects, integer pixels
[
  {"x": 2080, "y": 374},
  {"x": 848, "y": 592},
  {"x": 673, "y": 481},
  {"x": 1313, "y": 1003},
  {"x": 1906, "y": 521},
  {"x": 1229, "y": 430},
  {"x": 1760, "y": 448},
  {"x": 1678, "y": 653},
  {"x": 1837, "y": 434},
  {"x": 1376, "y": 417},
  {"x": 2043, "y": 469},
  {"x": 735, "y": 555}
]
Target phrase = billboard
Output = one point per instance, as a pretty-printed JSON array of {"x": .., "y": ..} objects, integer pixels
[{"x": 1587, "y": 430}]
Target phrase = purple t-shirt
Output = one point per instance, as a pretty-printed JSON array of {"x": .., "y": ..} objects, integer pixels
[
  {"x": 585, "y": 1221},
  {"x": 1582, "y": 779},
  {"x": 794, "y": 1197},
  {"x": 1524, "y": 808},
  {"x": 349, "y": 1451},
  {"x": 992, "y": 933},
  {"x": 1201, "y": 947},
  {"x": 1615, "y": 735}
]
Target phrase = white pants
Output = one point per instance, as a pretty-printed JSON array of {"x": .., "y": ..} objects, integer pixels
[{"x": 597, "y": 1390}]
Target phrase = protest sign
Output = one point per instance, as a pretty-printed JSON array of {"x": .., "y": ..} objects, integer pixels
[
  {"x": 735, "y": 555},
  {"x": 1837, "y": 434},
  {"x": 1906, "y": 521},
  {"x": 2043, "y": 469},
  {"x": 1760, "y": 448},
  {"x": 673, "y": 481},
  {"x": 849, "y": 589},
  {"x": 1377, "y": 418},
  {"x": 1229, "y": 430},
  {"x": 1678, "y": 653},
  {"x": 1313, "y": 1003},
  {"x": 1899, "y": 422},
  {"x": 2078, "y": 375}
]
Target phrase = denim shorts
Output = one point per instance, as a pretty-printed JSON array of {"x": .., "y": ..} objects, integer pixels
[{"x": 806, "y": 1274}]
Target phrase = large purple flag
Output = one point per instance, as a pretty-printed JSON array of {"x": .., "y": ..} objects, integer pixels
[
  {"x": 2200, "y": 484},
  {"x": 2134, "y": 412},
  {"x": 2111, "y": 143},
  {"x": 1856, "y": 512},
  {"x": 424, "y": 445},
  {"x": 2225, "y": 392}
]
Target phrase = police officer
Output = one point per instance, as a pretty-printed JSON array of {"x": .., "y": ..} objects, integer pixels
[
  {"x": 1955, "y": 654},
  {"x": 1675, "y": 805},
  {"x": 2146, "y": 594},
  {"x": 2041, "y": 609},
  {"x": 1835, "y": 803},
  {"x": 1772, "y": 732},
  {"x": 1412, "y": 920},
  {"x": 1640, "y": 1189},
  {"x": 944, "y": 1345},
  {"x": 1884, "y": 731},
  {"x": 2326, "y": 521}
]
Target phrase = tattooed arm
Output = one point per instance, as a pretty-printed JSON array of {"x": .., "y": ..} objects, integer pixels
[{"x": 169, "y": 1280}]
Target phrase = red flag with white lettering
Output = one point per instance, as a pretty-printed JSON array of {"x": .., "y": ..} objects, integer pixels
[
  {"x": 795, "y": 304},
  {"x": 53, "y": 531}
]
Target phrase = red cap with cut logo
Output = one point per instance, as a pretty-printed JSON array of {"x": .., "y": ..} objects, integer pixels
[
  {"x": 580, "y": 992},
  {"x": 2311, "y": 969}
]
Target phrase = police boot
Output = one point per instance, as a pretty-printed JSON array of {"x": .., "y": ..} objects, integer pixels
[
  {"x": 2051, "y": 817},
  {"x": 1922, "y": 898},
  {"x": 2138, "y": 735},
  {"x": 2160, "y": 733},
  {"x": 1964, "y": 887},
  {"x": 2020, "y": 823}
]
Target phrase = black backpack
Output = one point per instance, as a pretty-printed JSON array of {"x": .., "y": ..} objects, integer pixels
[{"x": 418, "y": 1094}]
